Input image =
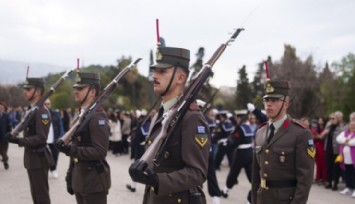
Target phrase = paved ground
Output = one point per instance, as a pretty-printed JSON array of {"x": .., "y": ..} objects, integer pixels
[{"x": 14, "y": 186}]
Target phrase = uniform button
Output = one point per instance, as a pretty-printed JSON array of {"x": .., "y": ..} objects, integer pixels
[
  {"x": 266, "y": 162},
  {"x": 267, "y": 151},
  {"x": 179, "y": 200},
  {"x": 265, "y": 175},
  {"x": 283, "y": 153},
  {"x": 149, "y": 142}
]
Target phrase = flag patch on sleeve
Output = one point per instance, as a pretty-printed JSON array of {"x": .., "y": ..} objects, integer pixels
[
  {"x": 101, "y": 122},
  {"x": 44, "y": 119},
  {"x": 201, "y": 130}
]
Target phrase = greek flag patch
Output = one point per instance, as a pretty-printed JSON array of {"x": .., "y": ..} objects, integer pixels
[
  {"x": 201, "y": 130},
  {"x": 44, "y": 116},
  {"x": 310, "y": 142},
  {"x": 101, "y": 122}
]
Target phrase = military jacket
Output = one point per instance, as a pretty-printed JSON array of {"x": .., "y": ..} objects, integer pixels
[
  {"x": 185, "y": 162},
  {"x": 283, "y": 168},
  {"x": 36, "y": 154},
  {"x": 90, "y": 171}
]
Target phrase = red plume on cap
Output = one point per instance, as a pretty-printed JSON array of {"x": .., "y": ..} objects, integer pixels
[
  {"x": 267, "y": 70},
  {"x": 77, "y": 65},
  {"x": 157, "y": 29},
  {"x": 28, "y": 70}
]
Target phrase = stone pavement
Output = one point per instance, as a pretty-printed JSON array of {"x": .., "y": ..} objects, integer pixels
[{"x": 14, "y": 185}]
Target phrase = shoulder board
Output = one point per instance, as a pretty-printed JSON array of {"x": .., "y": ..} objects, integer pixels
[
  {"x": 195, "y": 107},
  {"x": 298, "y": 123},
  {"x": 262, "y": 124},
  {"x": 99, "y": 109}
]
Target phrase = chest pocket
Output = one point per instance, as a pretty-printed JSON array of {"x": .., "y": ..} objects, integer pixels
[{"x": 284, "y": 156}]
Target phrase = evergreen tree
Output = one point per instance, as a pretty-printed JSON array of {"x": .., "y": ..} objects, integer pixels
[{"x": 243, "y": 91}]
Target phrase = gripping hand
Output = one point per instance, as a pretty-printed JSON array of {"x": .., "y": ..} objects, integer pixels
[{"x": 140, "y": 173}]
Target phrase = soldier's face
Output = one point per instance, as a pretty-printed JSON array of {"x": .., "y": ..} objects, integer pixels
[
  {"x": 161, "y": 79},
  {"x": 272, "y": 107},
  {"x": 80, "y": 93},
  {"x": 28, "y": 93}
]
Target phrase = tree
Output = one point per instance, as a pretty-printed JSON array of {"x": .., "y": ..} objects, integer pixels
[
  {"x": 243, "y": 91},
  {"x": 304, "y": 91}
]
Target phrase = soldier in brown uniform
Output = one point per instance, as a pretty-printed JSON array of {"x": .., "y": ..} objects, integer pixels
[
  {"x": 283, "y": 161},
  {"x": 179, "y": 176},
  {"x": 37, "y": 157},
  {"x": 88, "y": 176}
]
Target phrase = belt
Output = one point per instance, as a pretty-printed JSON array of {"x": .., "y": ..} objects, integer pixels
[
  {"x": 266, "y": 184},
  {"x": 245, "y": 146}
]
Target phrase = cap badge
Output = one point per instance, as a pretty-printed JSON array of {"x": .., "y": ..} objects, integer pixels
[
  {"x": 158, "y": 55},
  {"x": 269, "y": 88},
  {"x": 77, "y": 79}
]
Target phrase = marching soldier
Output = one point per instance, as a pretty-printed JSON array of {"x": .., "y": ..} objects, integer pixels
[
  {"x": 183, "y": 170},
  {"x": 88, "y": 176},
  {"x": 283, "y": 160},
  {"x": 37, "y": 157}
]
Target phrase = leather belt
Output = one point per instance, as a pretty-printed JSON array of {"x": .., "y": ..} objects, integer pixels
[
  {"x": 266, "y": 184},
  {"x": 245, "y": 146}
]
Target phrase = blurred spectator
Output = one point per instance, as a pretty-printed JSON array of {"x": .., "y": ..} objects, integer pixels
[
  {"x": 346, "y": 140},
  {"x": 116, "y": 134},
  {"x": 317, "y": 128},
  {"x": 332, "y": 150}
]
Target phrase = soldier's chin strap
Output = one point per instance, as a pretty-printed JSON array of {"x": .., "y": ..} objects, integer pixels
[
  {"x": 87, "y": 93},
  {"x": 170, "y": 82},
  {"x": 33, "y": 94},
  {"x": 283, "y": 104}
]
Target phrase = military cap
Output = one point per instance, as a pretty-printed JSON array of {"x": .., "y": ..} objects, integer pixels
[
  {"x": 171, "y": 56},
  {"x": 34, "y": 82},
  {"x": 85, "y": 78},
  {"x": 276, "y": 89}
]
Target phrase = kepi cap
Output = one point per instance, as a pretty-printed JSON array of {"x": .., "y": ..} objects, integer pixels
[
  {"x": 85, "y": 78},
  {"x": 276, "y": 89},
  {"x": 171, "y": 56},
  {"x": 34, "y": 82}
]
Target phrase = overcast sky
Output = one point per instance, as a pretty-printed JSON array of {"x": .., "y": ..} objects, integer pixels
[{"x": 100, "y": 32}]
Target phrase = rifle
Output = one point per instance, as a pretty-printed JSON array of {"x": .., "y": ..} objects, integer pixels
[
  {"x": 30, "y": 113},
  {"x": 84, "y": 117},
  {"x": 155, "y": 153},
  {"x": 206, "y": 106}
]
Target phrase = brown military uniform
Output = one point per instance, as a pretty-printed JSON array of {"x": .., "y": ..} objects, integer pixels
[
  {"x": 283, "y": 168},
  {"x": 89, "y": 170},
  {"x": 37, "y": 157},
  {"x": 184, "y": 167}
]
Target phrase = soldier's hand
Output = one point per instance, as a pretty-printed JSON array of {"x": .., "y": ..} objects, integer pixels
[
  {"x": 140, "y": 173},
  {"x": 68, "y": 181},
  {"x": 11, "y": 139},
  {"x": 62, "y": 147},
  {"x": 251, "y": 107}
]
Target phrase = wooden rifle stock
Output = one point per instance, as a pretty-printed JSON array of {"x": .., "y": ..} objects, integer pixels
[
  {"x": 84, "y": 117},
  {"x": 155, "y": 152},
  {"x": 30, "y": 113}
]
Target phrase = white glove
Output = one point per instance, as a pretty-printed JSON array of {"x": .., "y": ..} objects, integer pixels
[{"x": 251, "y": 107}]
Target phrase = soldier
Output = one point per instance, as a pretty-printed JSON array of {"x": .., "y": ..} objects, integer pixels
[
  {"x": 183, "y": 170},
  {"x": 37, "y": 157},
  {"x": 223, "y": 131},
  {"x": 283, "y": 161},
  {"x": 88, "y": 176},
  {"x": 5, "y": 127}
]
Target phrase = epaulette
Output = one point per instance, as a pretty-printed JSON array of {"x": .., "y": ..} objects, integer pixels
[
  {"x": 298, "y": 123},
  {"x": 194, "y": 107},
  {"x": 262, "y": 124}
]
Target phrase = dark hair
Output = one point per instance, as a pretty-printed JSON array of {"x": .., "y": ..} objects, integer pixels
[
  {"x": 3, "y": 104},
  {"x": 112, "y": 117}
]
